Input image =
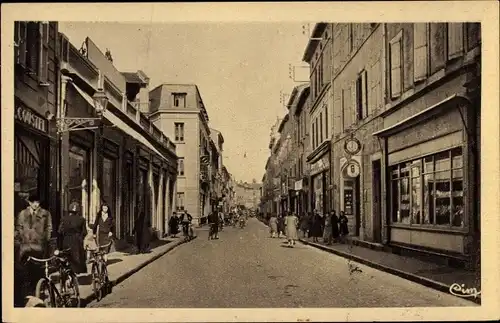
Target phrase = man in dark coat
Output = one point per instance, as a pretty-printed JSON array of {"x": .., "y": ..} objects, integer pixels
[
  {"x": 32, "y": 234},
  {"x": 173, "y": 225}
]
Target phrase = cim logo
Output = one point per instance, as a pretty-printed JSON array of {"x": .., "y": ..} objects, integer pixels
[{"x": 28, "y": 117}]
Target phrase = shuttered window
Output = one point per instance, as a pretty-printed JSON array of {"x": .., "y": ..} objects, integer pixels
[
  {"x": 395, "y": 65},
  {"x": 455, "y": 40},
  {"x": 43, "y": 67},
  {"x": 420, "y": 51}
]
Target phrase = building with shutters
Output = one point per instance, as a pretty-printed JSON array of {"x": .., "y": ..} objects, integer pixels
[
  {"x": 122, "y": 160},
  {"x": 178, "y": 110},
  {"x": 35, "y": 105},
  {"x": 430, "y": 135}
]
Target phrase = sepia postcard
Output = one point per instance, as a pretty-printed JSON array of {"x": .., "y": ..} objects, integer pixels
[{"x": 257, "y": 162}]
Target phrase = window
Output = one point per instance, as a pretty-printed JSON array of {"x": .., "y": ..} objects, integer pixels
[
  {"x": 180, "y": 166},
  {"x": 179, "y": 100},
  {"x": 326, "y": 122},
  {"x": 429, "y": 191},
  {"x": 313, "y": 136},
  {"x": 455, "y": 40},
  {"x": 420, "y": 51},
  {"x": 317, "y": 133},
  {"x": 180, "y": 201},
  {"x": 321, "y": 127},
  {"x": 179, "y": 132},
  {"x": 361, "y": 96},
  {"x": 473, "y": 34},
  {"x": 31, "y": 48},
  {"x": 395, "y": 65}
]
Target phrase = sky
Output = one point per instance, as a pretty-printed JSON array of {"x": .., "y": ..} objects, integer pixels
[{"x": 241, "y": 69}]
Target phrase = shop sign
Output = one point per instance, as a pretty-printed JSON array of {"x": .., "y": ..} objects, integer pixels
[
  {"x": 298, "y": 185},
  {"x": 353, "y": 169},
  {"x": 320, "y": 166},
  {"x": 30, "y": 118}
]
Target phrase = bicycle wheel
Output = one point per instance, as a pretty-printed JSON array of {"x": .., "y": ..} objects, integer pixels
[
  {"x": 74, "y": 289},
  {"x": 105, "y": 279},
  {"x": 96, "y": 281},
  {"x": 44, "y": 292}
]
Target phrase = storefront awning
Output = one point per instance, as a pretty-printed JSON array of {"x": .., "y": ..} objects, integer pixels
[
  {"x": 418, "y": 117},
  {"x": 116, "y": 121}
]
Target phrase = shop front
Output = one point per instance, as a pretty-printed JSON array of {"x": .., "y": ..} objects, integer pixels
[
  {"x": 430, "y": 181},
  {"x": 320, "y": 181},
  {"x": 31, "y": 158}
]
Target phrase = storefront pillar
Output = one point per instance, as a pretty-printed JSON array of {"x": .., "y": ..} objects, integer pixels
[
  {"x": 151, "y": 191},
  {"x": 167, "y": 201},
  {"x": 63, "y": 148},
  {"x": 135, "y": 206},
  {"x": 159, "y": 209}
]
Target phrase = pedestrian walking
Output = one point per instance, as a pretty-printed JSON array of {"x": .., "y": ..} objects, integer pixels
[
  {"x": 273, "y": 225},
  {"x": 141, "y": 230},
  {"x": 221, "y": 220},
  {"x": 173, "y": 225},
  {"x": 304, "y": 225},
  {"x": 316, "y": 227},
  {"x": 213, "y": 220},
  {"x": 185, "y": 220},
  {"x": 291, "y": 223},
  {"x": 32, "y": 234},
  {"x": 344, "y": 231},
  {"x": 281, "y": 226},
  {"x": 328, "y": 230},
  {"x": 73, "y": 230},
  {"x": 335, "y": 226},
  {"x": 104, "y": 226}
]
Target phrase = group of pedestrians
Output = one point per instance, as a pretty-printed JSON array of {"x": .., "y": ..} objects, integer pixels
[
  {"x": 285, "y": 226},
  {"x": 179, "y": 220},
  {"x": 331, "y": 228},
  {"x": 32, "y": 237}
]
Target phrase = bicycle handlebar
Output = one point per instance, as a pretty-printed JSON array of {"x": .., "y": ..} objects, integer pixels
[
  {"x": 31, "y": 258},
  {"x": 100, "y": 247}
]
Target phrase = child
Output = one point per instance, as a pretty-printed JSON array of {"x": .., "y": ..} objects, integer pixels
[{"x": 89, "y": 243}]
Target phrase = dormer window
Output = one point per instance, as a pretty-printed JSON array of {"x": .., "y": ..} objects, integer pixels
[{"x": 179, "y": 100}]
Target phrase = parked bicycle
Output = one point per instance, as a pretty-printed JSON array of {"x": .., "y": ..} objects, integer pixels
[
  {"x": 68, "y": 293},
  {"x": 100, "y": 278}
]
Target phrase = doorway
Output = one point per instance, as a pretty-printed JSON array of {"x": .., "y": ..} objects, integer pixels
[
  {"x": 357, "y": 205},
  {"x": 376, "y": 200}
]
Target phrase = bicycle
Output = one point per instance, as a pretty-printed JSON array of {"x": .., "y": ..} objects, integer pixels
[
  {"x": 68, "y": 293},
  {"x": 99, "y": 271}
]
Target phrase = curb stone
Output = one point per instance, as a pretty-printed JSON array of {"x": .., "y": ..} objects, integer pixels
[
  {"x": 86, "y": 300},
  {"x": 409, "y": 276}
]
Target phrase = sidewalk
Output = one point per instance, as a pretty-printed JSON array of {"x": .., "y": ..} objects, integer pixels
[
  {"x": 123, "y": 264},
  {"x": 429, "y": 274},
  {"x": 439, "y": 277}
]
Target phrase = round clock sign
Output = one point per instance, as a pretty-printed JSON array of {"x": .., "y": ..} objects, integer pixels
[{"x": 352, "y": 146}]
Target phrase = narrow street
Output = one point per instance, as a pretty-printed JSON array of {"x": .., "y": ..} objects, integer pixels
[{"x": 245, "y": 268}]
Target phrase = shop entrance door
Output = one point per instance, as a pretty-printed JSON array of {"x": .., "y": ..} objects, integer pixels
[
  {"x": 376, "y": 203},
  {"x": 28, "y": 171}
]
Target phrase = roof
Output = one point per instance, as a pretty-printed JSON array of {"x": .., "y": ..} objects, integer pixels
[
  {"x": 302, "y": 96},
  {"x": 132, "y": 77},
  {"x": 318, "y": 30},
  {"x": 283, "y": 122}
]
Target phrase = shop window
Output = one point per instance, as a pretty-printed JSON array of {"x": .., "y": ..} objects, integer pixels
[
  {"x": 79, "y": 178},
  {"x": 433, "y": 196},
  {"x": 108, "y": 193}
]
